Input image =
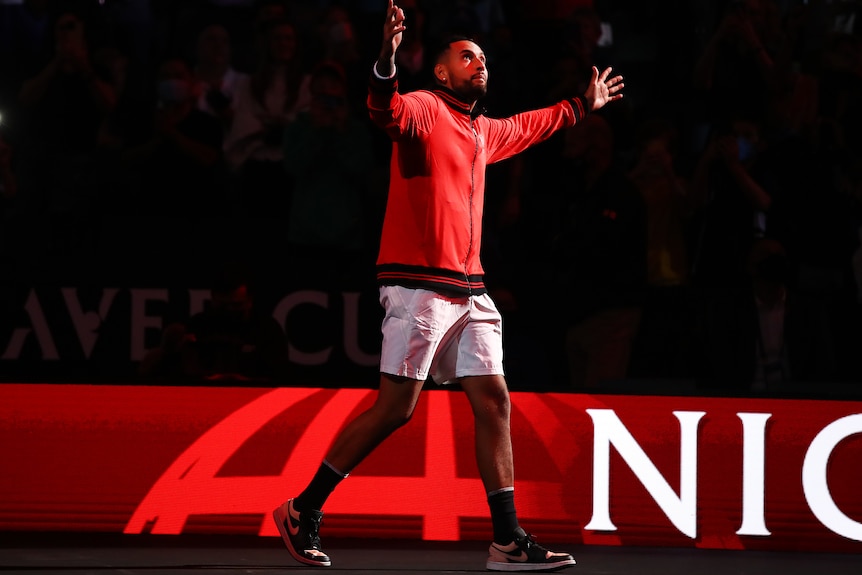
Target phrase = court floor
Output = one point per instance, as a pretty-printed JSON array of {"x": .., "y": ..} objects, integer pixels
[{"x": 223, "y": 555}]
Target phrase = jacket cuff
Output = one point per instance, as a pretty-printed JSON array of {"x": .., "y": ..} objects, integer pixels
[
  {"x": 381, "y": 84},
  {"x": 580, "y": 106}
]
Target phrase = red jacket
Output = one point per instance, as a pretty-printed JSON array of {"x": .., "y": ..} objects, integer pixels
[{"x": 433, "y": 223}]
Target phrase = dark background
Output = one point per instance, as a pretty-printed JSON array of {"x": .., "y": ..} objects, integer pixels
[{"x": 79, "y": 220}]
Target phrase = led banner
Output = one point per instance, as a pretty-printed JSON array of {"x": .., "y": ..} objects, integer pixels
[{"x": 590, "y": 469}]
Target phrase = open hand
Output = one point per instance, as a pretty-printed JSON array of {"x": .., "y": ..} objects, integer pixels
[{"x": 602, "y": 89}]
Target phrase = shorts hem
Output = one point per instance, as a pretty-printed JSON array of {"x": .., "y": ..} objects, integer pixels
[
  {"x": 474, "y": 373},
  {"x": 400, "y": 372}
]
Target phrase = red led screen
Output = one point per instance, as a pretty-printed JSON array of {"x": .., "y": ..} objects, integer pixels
[{"x": 591, "y": 469}]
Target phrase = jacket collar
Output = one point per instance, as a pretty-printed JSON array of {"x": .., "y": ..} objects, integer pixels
[{"x": 454, "y": 101}]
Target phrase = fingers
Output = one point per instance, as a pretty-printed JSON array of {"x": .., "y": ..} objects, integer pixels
[
  {"x": 604, "y": 76},
  {"x": 395, "y": 15},
  {"x": 615, "y": 82},
  {"x": 614, "y": 85}
]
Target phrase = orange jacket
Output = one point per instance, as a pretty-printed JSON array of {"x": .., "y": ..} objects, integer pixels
[{"x": 433, "y": 222}]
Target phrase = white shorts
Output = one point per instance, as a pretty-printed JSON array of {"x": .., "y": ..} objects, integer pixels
[{"x": 426, "y": 333}]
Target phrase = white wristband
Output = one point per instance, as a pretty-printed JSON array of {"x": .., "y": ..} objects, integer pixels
[{"x": 377, "y": 74}]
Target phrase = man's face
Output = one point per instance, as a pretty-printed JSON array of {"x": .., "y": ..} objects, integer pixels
[
  {"x": 214, "y": 45},
  {"x": 283, "y": 43},
  {"x": 234, "y": 304},
  {"x": 463, "y": 66},
  {"x": 175, "y": 85}
]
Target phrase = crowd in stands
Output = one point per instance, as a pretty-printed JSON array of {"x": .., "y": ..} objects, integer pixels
[{"x": 705, "y": 228}]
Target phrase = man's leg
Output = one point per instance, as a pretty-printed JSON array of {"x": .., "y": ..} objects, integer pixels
[
  {"x": 489, "y": 398},
  {"x": 513, "y": 549},
  {"x": 393, "y": 407},
  {"x": 298, "y": 519}
]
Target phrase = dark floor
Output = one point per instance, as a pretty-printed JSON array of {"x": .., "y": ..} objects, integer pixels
[{"x": 145, "y": 555}]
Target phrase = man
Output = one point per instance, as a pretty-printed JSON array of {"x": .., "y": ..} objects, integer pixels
[{"x": 439, "y": 320}]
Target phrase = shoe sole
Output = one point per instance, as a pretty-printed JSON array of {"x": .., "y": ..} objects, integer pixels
[
  {"x": 534, "y": 567},
  {"x": 280, "y": 517}
]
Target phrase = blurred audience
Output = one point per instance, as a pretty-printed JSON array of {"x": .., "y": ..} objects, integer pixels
[
  {"x": 217, "y": 81},
  {"x": 337, "y": 42},
  {"x": 662, "y": 345},
  {"x": 231, "y": 340},
  {"x": 327, "y": 151},
  {"x": 735, "y": 189},
  {"x": 62, "y": 108},
  {"x": 132, "y": 123},
  {"x": 266, "y": 101},
  {"x": 601, "y": 256},
  {"x": 175, "y": 170},
  {"x": 741, "y": 52},
  {"x": 768, "y": 336},
  {"x": 411, "y": 55},
  {"x": 26, "y": 44}
]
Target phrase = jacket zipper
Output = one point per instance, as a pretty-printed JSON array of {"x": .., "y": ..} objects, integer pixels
[{"x": 470, "y": 206}]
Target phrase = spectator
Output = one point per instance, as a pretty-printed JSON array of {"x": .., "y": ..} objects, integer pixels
[
  {"x": 769, "y": 335},
  {"x": 25, "y": 43},
  {"x": 116, "y": 125},
  {"x": 238, "y": 19},
  {"x": 176, "y": 169},
  {"x": 741, "y": 52},
  {"x": 336, "y": 40},
  {"x": 217, "y": 81},
  {"x": 266, "y": 102},
  {"x": 337, "y": 37},
  {"x": 412, "y": 68},
  {"x": 601, "y": 255},
  {"x": 71, "y": 64},
  {"x": 63, "y": 107},
  {"x": 660, "y": 348},
  {"x": 734, "y": 189},
  {"x": 229, "y": 340},
  {"x": 816, "y": 218},
  {"x": 327, "y": 151}
]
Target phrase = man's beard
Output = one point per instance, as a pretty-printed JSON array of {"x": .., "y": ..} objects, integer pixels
[{"x": 471, "y": 92}]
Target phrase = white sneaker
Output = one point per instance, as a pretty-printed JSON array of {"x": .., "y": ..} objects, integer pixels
[{"x": 524, "y": 554}]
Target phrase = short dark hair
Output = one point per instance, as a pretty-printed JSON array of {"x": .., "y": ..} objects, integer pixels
[{"x": 446, "y": 43}]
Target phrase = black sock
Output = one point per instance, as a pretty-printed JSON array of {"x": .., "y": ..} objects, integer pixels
[
  {"x": 322, "y": 484},
  {"x": 503, "y": 516}
]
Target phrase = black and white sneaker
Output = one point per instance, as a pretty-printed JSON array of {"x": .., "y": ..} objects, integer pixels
[
  {"x": 524, "y": 554},
  {"x": 300, "y": 534}
]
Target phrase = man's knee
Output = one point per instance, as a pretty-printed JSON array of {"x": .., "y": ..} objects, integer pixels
[
  {"x": 489, "y": 395},
  {"x": 397, "y": 416},
  {"x": 396, "y": 400}
]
